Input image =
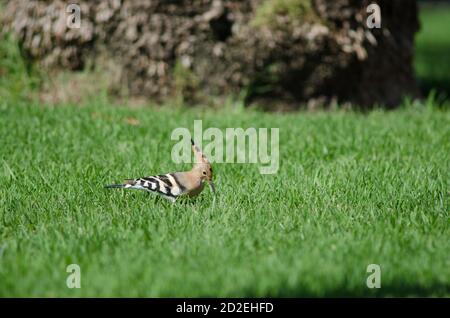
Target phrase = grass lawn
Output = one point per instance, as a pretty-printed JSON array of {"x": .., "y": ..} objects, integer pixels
[{"x": 352, "y": 189}]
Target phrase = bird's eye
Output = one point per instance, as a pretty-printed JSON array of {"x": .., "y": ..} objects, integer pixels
[{"x": 204, "y": 173}]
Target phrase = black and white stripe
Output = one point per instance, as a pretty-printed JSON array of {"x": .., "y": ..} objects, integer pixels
[{"x": 165, "y": 185}]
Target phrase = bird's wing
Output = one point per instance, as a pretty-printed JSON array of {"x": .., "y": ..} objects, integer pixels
[{"x": 167, "y": 185}]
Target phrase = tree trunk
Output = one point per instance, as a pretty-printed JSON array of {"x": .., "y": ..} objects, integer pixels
[{"x": 279, "y": 53}]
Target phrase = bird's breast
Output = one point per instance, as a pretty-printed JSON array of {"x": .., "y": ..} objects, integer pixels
[{"x": 196, "y": 190}]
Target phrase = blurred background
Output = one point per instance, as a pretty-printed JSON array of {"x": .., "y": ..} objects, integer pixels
[
  {"x": 274, "y": 55},
  {"x": 432, "y": 63}
]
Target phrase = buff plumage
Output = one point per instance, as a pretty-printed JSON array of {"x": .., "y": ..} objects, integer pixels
[{"x": 174, "y": 185}]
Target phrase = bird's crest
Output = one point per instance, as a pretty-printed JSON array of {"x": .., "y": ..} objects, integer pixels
[{"x": 200, "y": 158}]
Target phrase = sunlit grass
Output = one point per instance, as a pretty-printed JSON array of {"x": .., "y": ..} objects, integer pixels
[{"x": 352, "y": 190}]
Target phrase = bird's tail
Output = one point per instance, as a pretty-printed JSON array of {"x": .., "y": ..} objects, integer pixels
[
  {"x": 129, "y": 183},
  {"x": 115, "y": 186}
]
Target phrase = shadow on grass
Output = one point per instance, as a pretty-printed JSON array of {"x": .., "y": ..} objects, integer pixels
[{"x": 393, "y": 289}]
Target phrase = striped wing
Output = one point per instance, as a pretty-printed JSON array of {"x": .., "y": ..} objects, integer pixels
[{"x": 165, "y": 185}]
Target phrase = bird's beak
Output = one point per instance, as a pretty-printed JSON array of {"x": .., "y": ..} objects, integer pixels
[{"x": 211, "y": 186}]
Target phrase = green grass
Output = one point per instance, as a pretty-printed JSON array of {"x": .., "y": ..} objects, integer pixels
[
  {"x": 17, "y": 77},
  {"x": 352, "y": 190},
  {"x": 432, "y": 61}
]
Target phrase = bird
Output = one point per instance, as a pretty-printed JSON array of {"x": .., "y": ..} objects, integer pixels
[{"x": 171, "y": 186}]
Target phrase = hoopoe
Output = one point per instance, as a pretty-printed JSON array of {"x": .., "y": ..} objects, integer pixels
[{"x": 176, "y": 184}]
